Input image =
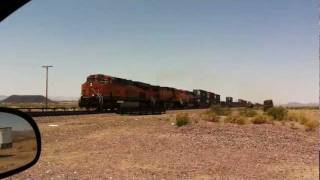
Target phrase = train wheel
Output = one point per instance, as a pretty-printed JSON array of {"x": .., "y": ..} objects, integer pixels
[{"x": 120, "y": 111}]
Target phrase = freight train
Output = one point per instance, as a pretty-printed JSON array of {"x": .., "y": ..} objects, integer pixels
[{"x": 102, "y": 92}]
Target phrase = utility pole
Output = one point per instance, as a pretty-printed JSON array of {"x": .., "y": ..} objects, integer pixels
[
  {"x": 47, "y": 72},
  {"x": 319, "y": 53}
]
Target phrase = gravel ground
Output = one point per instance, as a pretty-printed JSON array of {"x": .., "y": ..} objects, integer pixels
[{"x": 151, "y": 147}]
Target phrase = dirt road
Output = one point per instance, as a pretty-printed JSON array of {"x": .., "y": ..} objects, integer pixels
[{"x": 150, "y": 147}]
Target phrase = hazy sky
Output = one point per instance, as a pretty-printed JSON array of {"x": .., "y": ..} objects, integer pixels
[
  {"x": 17, "y": 123},
  {"x": 251, "y": 49}
]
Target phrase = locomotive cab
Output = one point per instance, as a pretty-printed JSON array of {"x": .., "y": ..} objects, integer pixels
[
  {"x": 99, "y": 78},
  {"x": 92, "y": 91}
]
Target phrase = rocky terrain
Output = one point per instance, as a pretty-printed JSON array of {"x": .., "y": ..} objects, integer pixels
[{"x": 110, "y": 146}]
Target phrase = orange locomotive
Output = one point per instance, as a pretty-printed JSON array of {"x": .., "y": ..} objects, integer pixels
[{"x": 104, "y": 92}]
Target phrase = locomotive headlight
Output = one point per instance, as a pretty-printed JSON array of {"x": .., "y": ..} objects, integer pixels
[{"x": 91, "y": 84}]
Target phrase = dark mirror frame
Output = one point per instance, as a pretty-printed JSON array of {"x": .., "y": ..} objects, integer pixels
[
  {"x": 9, "y": 6},
  {"x": 37, "y": 136}
]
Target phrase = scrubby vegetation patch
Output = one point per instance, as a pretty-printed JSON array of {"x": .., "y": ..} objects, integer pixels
[
  {"x": 248, "y": 112},
  {"x": 277, "y": 113},
  {"x": 182, "y": 120},
  {"x": 220, "y": 111},
  {"x": 236, "y": 118},
  {"x": 260, "y": 119},
  {"x": 210, "y": 116}
]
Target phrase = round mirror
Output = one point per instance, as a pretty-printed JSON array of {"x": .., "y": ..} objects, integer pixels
[{"x": 19, "y": 142}]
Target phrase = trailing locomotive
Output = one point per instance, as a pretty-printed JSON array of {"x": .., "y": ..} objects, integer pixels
[{"x": 102, "y": 92}]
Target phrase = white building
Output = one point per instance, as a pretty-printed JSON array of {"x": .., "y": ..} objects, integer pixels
[{"x": 5, "y": 137}]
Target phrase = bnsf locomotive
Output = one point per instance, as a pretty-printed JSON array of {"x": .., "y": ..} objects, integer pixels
[{"x": 102, "y": 92}]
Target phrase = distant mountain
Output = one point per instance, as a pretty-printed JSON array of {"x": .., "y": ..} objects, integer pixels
[
  {"x": 297, "y": 104},
  {"x": 23, "y": 135},
  {"x": 2, "y": 97},
  {"x": 25, "y": 99}
]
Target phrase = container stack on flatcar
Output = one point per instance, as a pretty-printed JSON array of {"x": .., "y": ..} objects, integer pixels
[
  {"x": 102, "y": 92},
  {"x": 229, "y": 101}
]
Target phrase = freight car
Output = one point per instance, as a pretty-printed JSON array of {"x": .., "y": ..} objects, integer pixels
[
  {"x": 102, "y": 92},
  {"x": 204, "y": 98},
  {"x": 267, "y": 104}
]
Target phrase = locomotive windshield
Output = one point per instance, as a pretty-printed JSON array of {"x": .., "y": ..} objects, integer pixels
[
  {"x": 98, "y": 78},
  {"x": 91, "y": 79}
]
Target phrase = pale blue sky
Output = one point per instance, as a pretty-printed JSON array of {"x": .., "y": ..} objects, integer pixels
[
  {"x": 251, "y": 49},
  {"x": 17, "y": 123}
]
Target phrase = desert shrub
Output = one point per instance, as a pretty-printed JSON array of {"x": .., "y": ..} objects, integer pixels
[
  {"x": 277, "y": 113},
  {"x": 293, "y": 117},
  {"x": 311, "y": 124},
  {"x": 248, "y": 112},
  {"x": 260, "y": 119},
  {"x": 182, "y": 119},
  {"x": 301, "y": 118},
  {"x": 220, "y": 111},
  {"x": 210, "y": 116},
  {"x": 236, "y": 118}
]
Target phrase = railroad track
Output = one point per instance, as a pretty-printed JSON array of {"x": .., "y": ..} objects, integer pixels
[
  {"x": 39, "y": 112},
  {"x": 63, "y": 111}
]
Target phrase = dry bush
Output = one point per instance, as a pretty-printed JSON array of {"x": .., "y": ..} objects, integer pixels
[
  {"x": 248, "y": 112},
  {"x": 260, "y": 119},
  {"x": 182, "y": 120},
  {"x": 311, "y": 125},
  {"x": 220, "y": 111},
  {"x": 293, "y": 117},
  {"x": 298, "y": 117},
  {"x": 210, "y": 116},
  {"x": 277, "y": 113},
  {"x": 236, "y": 118},
  {"x": 301, "y": 118}
]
